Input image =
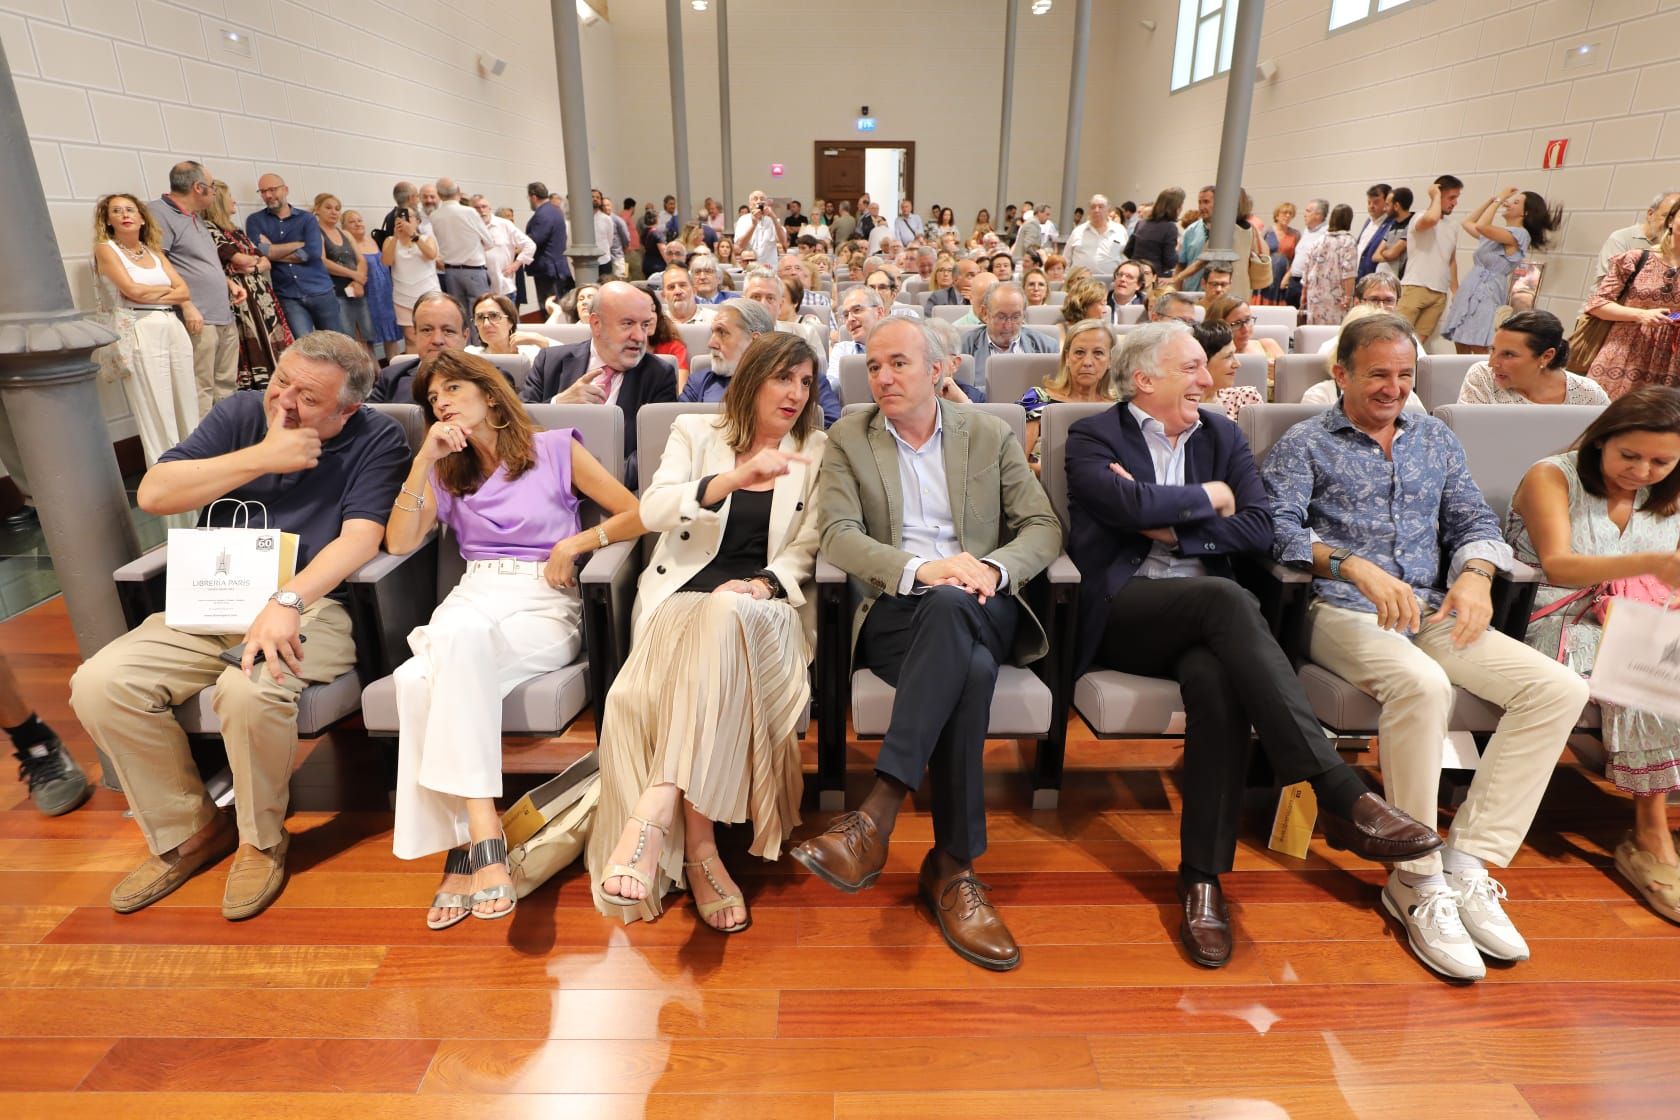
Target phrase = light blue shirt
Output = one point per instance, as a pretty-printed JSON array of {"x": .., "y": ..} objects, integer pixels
[
  {"x": 1169, "y": 471},
  {"x": 929, "y": 531},
  {"x": 1190, "y": 250}
]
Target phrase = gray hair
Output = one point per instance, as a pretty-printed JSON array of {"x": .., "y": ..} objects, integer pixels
[
  {"x": 446, "y": 188},
  {"x": 186, "y": 175},
  {"x": 924, "y": 252},
  {"x": 1373, "y": 280},
  {"x": 1166, "y": 299},
  {"x": 701, "y": 259},
  {"x": 760, "y": 272},
  {"x": 933, "y": 346},
  {"x": 403, "y": 193},
  {"x": 754, "y": 318},
  {"x": 1322, "y": 205},
  {"x": 992, "y": 292},
  {"x": 1140, "y": 350},
  {"x": 1110, "y": 382},
  {"x": 1661, "y": 195},
  {"x": 950, "y": 338},
  {"x": 870, "y": 297},
  {"x": 348, "y": 355}
]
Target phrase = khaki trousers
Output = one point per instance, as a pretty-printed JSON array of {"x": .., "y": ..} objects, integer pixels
[
  {"x": 1423, "y": 306},
  {"x": 215, "y": 364},
  {"x": 1413, "y": 679},
  {"x": 123, "y": 696}
]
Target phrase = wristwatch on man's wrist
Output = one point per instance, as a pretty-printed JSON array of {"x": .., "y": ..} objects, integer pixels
[
  {"x": 1336, "y": 559},
  {"x": 288, "y": 599}
]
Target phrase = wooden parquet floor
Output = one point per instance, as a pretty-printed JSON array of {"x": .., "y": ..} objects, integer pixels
[{"x": 338, "y": 1003}]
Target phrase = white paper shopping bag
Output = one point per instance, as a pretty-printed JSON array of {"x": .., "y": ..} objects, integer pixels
[
  {"x": 219, "y": 578},
  {"x": 1638, "y": 663}
]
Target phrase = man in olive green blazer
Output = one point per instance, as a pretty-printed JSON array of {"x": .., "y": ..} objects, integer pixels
[{"x": 932, "y": 509}]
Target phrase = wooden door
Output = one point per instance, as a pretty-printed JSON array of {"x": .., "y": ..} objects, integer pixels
[{"x": 839, "y": 172}]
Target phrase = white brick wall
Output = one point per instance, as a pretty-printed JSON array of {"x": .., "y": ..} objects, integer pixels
[
  {"x": 1439, "y": 86},
  {"x": 345, "y": 96}
]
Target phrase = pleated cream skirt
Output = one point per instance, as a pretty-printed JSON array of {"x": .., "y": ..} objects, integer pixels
[{"x": 708, "y": 699}]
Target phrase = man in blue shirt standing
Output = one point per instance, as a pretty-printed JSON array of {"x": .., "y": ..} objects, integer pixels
[
  {"x": 1379, "y": 504},
  {"x": 292, "y": 240}
]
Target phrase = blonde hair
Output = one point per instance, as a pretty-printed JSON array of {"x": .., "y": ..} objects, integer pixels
[
  {"x": 323, "y": 197},
  {"x": 150, "y": 236},
  {"x": 1109, "y": 386},
  {"x": 220, "y": 211}
]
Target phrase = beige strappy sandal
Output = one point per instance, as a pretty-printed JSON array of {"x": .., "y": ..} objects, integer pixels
[
  {"x": 630, "y": 871},
  {"x": 722, "y": 902}
]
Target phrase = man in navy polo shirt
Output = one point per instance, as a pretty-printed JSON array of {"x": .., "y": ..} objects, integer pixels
[
  {"x": 292, "y": 240},
  {"x": 327, "y": 469}
]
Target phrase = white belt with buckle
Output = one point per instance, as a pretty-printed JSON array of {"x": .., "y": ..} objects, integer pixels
[{"x": 507, "y": 567}]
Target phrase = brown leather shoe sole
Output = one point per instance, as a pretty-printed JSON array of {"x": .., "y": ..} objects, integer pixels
[
  {"x": 968, "y": 955},
  {"x": 829, "y": 877},
  {"x": 251, "y": 907},
  {"x": 172, "y": 876}
]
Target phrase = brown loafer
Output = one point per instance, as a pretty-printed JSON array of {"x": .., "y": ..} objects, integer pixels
[
  {"x": 849, "y": 855},
  {"x": 966, "y": 917},
  {"x": 1377, "y": 831},
  {"x": 1206, "y": 929},
  {"x": 161, "y": 875},
  {"x": 255, "y": 879}
]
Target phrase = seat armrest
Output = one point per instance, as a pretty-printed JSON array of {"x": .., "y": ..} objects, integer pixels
[
  {"x": 146, "y": 567},
  {"x": 604, "y": 564},
  {"x": 387, "y": 562},
  {"x": 1286, "y": 573},
  {"x": 608, "y": 585},
  {"x": 1513, "y": 598},
  {"x": 388, "y": 597},
  {"x": 1524, "y": 573},
  {"x": 141, "y": 585},
  {"x": 1063, "y": 570},
  {"x": 827, "y": 572}
]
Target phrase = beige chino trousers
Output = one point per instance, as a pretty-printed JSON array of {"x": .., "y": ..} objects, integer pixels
[
  {"x": 1413, "y": 678},
  {"x": 123, "y": 696}
]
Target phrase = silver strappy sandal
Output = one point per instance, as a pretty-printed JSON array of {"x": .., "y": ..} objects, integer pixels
[
  {"x": 485, "y": 853},
  {"x": 457, "y": 862}
]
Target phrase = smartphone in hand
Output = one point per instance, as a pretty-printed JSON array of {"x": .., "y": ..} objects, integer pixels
[{"x": 236, "y": 655}]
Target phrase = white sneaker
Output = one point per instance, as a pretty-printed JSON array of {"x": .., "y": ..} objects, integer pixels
[
  {"x": 1479, "y": 896},
  {"x": 1433, "y": 929}
]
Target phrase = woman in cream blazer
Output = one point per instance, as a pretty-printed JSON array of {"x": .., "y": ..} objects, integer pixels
[{"x": 703, "y": 715}]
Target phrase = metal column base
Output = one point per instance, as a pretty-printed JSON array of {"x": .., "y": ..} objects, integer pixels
[
  {"x": 832, "y": 800},
  {"x": 1046, "y": 798}
]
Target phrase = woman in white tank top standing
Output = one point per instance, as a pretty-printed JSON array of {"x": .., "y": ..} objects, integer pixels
[{"x": 139, "y": 292}]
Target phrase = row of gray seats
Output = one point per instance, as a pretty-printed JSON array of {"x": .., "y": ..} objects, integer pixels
[
  {"x": 391, "y": 595},
  {"x": 1437, "y": 383}
]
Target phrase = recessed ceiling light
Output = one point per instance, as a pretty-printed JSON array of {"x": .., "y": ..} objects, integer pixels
[
  {"x": 699, "y": 5},
  {"x": 1041, "y": 6}
]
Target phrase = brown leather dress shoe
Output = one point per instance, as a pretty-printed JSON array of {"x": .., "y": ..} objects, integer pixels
[
  {"x": 966, "y": 917},
  {"x": 1377, "y": 831},
  {"x": 849, "y": 855},
  {"x": 255, "y": 879},
  {"x": 1206, "y": 930},
  {"x": 161, "y": 875}
]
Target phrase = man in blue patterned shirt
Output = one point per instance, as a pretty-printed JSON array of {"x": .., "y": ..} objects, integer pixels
[{"x": 1373, "y": 499}]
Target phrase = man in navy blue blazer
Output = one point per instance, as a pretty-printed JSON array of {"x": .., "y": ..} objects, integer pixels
[
  {"x": 1161, "y": 496},
  {"x": 547, "y": 227}
]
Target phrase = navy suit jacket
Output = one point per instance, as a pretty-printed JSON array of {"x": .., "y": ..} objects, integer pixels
[
  {"x": 649, "y": 381},
  {"x": 1107, "y": 513},
  {"x": 547, "y": 228}
]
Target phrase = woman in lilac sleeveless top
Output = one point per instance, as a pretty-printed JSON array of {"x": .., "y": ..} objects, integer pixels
[{"x": 510, "y": 494}]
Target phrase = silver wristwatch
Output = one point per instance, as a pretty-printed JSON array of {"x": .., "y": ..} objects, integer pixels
[{"x": 288, "y": 599}]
